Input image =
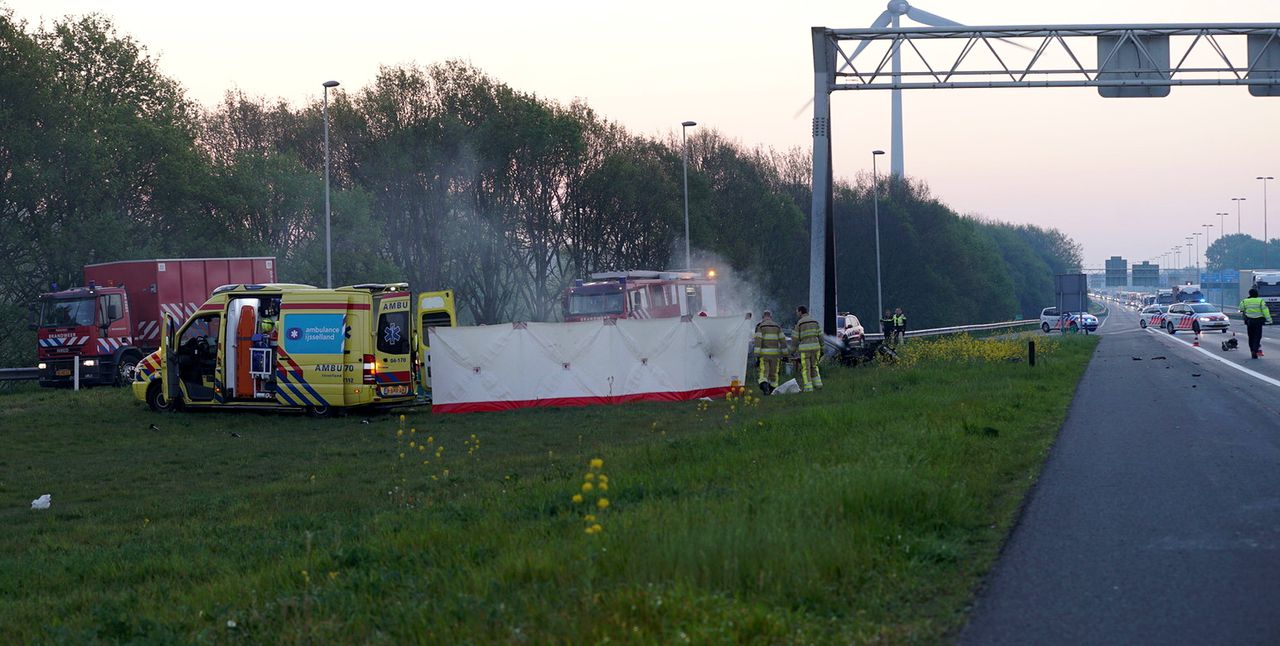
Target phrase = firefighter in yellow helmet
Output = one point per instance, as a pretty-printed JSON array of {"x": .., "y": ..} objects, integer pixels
[
  {"x": 768, "y": 342},
  {"x": 807, "y": 339}
]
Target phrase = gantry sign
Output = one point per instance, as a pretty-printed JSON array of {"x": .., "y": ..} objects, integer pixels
[{"x": 1119, "y": 60}]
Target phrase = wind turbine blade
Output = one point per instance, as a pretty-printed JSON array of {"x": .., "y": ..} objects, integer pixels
[
  {"x": 924, "y": 17},
  {"x": 880, "y": 23}
]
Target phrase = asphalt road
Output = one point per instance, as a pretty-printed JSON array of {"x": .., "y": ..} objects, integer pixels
[{"x": 1156, "y": 519}]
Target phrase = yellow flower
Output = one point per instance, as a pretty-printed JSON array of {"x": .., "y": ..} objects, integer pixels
[
  {"x": 577, "y": 498},
  {"x": 333, "y": 575},
  {"x": 590, "y": 518},
  {"x": 421, "y": 448},
  {"x": 402, "y": 456},
  {"x": 603, "y": 478},
  {"x": 604, "y": 486},
  {"x": 402, "y": 418},
  {"x": 412, "y": 444},
  {"x": 588, "y": 530},
  {"x": 603, "y": 503},
  {"x": 400, "y": 433},
  {"x": 586, "y": 487},
  {"x": 430, "y": 439},
  {"x": 446, "y": 473},
  {"x": 589, "y": 476},
  {"x": 597, "y": 463},
  {"x": 412, "y": 431},
  {"x": 595, "y": 529}
]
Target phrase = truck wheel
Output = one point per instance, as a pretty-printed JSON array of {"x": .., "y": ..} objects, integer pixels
[
  {"x": 156, "y": 400},
  {"x": 126, "y": 367}
]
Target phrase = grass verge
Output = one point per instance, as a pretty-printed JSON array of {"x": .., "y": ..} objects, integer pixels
[{"x": 866, "y": 512}]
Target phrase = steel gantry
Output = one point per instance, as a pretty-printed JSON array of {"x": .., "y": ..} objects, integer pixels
[{"x": 1120, "y": 60}]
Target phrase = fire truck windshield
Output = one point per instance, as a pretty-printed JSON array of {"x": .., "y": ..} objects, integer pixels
[
  {"x": 66, "y": 312},
  {"x": 596, "y": 304}
]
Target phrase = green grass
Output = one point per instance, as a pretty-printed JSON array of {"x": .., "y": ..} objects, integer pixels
[{"x": 867, "y": 512}]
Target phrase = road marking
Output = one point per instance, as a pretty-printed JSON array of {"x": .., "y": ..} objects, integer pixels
[{"x": 1259, "y": 376}]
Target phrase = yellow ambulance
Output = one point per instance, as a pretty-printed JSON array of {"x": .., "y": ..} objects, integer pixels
[{"x": 296, "y": 347}]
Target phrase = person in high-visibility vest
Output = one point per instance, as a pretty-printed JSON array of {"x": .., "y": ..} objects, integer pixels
[
  {"x": 1254, "y": 310},
  {"x": 768, "y": 342},
  {"x": 807, "y": 338},
  {"x": 899, "y": 325}
]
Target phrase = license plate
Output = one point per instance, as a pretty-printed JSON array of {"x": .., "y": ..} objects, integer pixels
[
  {"x": 63, "y": 373},
  {"x": 394, "y": 391}
]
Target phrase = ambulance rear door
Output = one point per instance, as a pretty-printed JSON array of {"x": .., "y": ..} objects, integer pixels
[
  {"x": 435, "y": 309},
  {"x": 393, "y": 345}
]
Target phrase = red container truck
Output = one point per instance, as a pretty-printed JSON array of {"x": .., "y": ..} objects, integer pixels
[{"x": 109, "y": 325}]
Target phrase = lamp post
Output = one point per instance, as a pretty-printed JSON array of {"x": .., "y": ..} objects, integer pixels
[
  {"x": 1238, "y": 200},
  {"x": 684, "y": 144},
  {"x": 875, "y": 191},
  {"x": 1265, "y": 240},
  {"x": 1207, "y": 227},
  {"x": 328, "y": 240},
  {"x": 1196, "y": 235}
]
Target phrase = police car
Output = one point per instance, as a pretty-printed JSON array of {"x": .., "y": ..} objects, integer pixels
[
  {"x": 1052, "y": 319},
  {"x": 1196, "y": 317},
  {"x": 1152, "y": 316}
]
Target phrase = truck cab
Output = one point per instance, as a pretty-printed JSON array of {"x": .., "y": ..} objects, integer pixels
[{"x": 84, "y": 331}]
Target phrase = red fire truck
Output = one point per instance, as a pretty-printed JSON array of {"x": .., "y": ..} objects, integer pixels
[
  {"x": 109, "y": 325},
  {"x": 641, "y": 294}
]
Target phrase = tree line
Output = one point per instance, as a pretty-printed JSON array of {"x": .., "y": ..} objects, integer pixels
[{"x": 444, "y": 177}]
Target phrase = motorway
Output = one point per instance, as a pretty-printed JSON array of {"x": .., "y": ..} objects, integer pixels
[{"x": 1156, "y": 519}]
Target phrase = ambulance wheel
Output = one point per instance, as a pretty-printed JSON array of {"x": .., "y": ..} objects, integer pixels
[
  {"x": 320, "y": 411},
  {"x": 1044, "y": 327},
  {"x": 126, "y": 367},
  {"x": 156, "y": 400}
]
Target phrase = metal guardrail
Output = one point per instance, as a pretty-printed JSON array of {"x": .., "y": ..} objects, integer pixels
[
  {"x": 957, "y": 329},
  {"x": 19, "y": 374}
]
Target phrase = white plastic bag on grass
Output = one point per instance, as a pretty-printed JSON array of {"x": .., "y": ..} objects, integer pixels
[
  {"x": 42, "y": 502},
  {"x": 790, "y": 387}
]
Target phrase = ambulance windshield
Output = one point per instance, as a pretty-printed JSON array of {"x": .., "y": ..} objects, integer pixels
[{"x": 66, "y": 312}]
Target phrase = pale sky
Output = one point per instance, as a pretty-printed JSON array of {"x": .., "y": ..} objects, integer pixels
[{"x": 1131, "y": 177}]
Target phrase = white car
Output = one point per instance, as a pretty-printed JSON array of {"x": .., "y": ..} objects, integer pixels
[
  {"x": 1195, "y": 317},
  {"x": 849, "y": 329},
  {"x": 1051, "y": 319},
  {"x": 1152, "y": 316}
]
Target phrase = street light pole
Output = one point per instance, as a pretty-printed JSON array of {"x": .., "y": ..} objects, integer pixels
[
  {"x": 875, "y": 191},
  {"x": 1238, "y": 200},
  {"x": 684, "y": 144},
  {"x": 1196, "y": 235},
  {"x": 328, "y": 239},
  {"x": 1265, "y": 240}
]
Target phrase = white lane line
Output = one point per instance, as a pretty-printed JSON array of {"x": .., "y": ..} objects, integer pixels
[{"x": 1260, "y": 377}]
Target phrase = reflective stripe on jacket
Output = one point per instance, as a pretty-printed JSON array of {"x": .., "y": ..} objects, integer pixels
[
  {"x": 808, "y": 334},
  {"x": 1255, "y": 308},
  {"x": 899, "y": 319},
  {"x": 768, "y": 339}
]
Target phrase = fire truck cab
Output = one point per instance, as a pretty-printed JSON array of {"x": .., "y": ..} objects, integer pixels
[{"x": 642, "y": 294}]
